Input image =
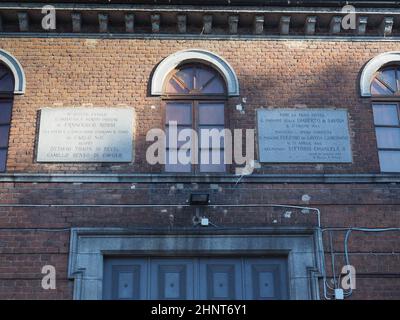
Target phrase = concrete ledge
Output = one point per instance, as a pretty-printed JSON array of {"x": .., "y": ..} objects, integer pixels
[
  {"x": 187, "y": 178},
  {"x": 222, "y": 37},
  {"x": 10, "y": 5}
]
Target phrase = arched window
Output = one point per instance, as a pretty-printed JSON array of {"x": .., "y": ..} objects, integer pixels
[
  {"x": 6, "y": 102},
  {"x": 385, "y": 91},
  {"x": 195, "y": 79},
  {"x": 194, "y": 98},
  {"x": 386, "y": 82}
]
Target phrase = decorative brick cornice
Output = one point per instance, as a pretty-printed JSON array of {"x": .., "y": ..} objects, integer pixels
[{"x": 230, "y": 21}]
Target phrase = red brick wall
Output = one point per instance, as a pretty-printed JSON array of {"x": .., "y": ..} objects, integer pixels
[
  {"x": 74, "y": 72},
  {"x": 23, "y": 252}
]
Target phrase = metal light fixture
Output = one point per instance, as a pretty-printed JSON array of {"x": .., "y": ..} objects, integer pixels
[{"x": 199, "y": 199}]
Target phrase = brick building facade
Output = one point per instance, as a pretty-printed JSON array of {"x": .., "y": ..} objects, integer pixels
[{"x": 107, "y": 227}]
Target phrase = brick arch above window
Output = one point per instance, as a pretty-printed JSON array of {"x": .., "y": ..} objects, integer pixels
[
  {"x": 194, "y": 55},
  {"x": 15, "y": 67},
  {"x": 373, "y": 66}
]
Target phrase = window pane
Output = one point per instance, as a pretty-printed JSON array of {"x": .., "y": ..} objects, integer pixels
[
  {"x": 173, "y": 87},
  {"x": 202, "y": 77},
  {"x": 6, "y": 79},
  {"x": 389, "y": 161},
  {"x": 4, "y": 132},
  {"x": 209, "y": 81},
  {"x": 179, "y": 130},
  {"x": 3, "y": 159},
  {"x": 215, "y": 137},
  {"x": 215, "y": 86},
  {"x": 388, "y": 137},
  {"x": 179, "y": 112},
  {"x": 186, "y": 75},
  {"x": 208, "y": 165},
  {"x": 5, "y": 112},
  {"x": 172, "y": 163},
  {"x": 378, "y": 88},
  {"x": 385, "y": 114},
  {"x": 389, "y": 77},
  {"x": 211, "y": 113}
]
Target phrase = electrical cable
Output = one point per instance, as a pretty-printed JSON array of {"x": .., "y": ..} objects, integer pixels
[
  {"x": 304, "y": 209},
  {"x": 332, "y": 260},
  {"x": 349, "y": 230},
  {"x": 346, "y": 253}
]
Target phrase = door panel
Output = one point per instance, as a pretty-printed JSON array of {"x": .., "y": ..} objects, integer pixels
[
  {"x": 265, "y": 279},
  {"x": 220, "y": 279},
  {"x": 125, "y": 279},
  {"x": 195, "y": 278},
  {"x": 172, "y": 279}
]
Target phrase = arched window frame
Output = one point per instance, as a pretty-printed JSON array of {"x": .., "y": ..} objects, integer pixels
[
  {"x": 385, "y": 107},
  {"x": 196, "y": 101},
  {"x": 196, "y": 96},
  {"x": 205, "y": 57},
  {"x": 14, "y": 74},
  {"x": 15, "y": 67}
]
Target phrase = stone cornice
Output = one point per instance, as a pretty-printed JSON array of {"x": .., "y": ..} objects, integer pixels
[
  {"x": 230, "y": 21},
  {"x": 293, "y": 3}
]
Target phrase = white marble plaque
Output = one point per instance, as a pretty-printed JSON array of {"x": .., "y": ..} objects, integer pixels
[
  {"x": 303, "y": 136},
  {"x": 85, "y": 135}
]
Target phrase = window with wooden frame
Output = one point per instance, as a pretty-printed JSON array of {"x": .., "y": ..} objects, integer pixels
[
  {"x": 194, "y": 98},
  {"x": 385, "y": 90},
  {"x": 6, "y": 103}
]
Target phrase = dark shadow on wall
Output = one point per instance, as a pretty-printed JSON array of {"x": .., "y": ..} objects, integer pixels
[{"x": 150, "y": 78}]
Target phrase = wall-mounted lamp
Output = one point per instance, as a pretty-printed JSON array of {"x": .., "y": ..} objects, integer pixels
[{"x": 199, "y": 199}]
